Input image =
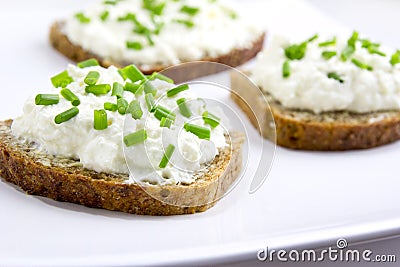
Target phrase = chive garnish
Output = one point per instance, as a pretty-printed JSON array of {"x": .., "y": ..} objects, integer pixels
[
  {"x": 161, "y": 112},
  {"x": 98, "y": 89},
  {"x": 122, "y": 105},
  {"x": 328, "y": 54},
  {"x": 135, "y": 138},
  {"x": 183, "y": 108},
  {"x": 61, "y": 80},
  {"x": 132, "y": 72},
  {"x": 150, "y": 102},
  {"x": 131, "y": 87},
  {"x": 149, "y": 88},
  {"x": 167, "y": 155},
  {"x": 210, "y": 119},
  {"x": 335, "y": 76},
  {"x": 328, "y": 43},
  {"x": 174, "y": 91},
  {"x": 117, "y": 90},
  {"x": 190, "y": 10},
  {"x": 104, "y": 15},
  {"x": 286, "y": 69},
  {"x": 315, "y": 37},
  {"x": 82, "y": 18},
  {"x": 70, "y": 96},
  {"x": 110, "y": 106},
  {"x": 88, "y": 63},
  {"x": 134, "y": 45},
  {"x": 135, "y": 110},
  {"x": 373, "y": 48},
  {"x": 160, "y": 76},
  {"x": 350, "y": 48},
  {"x": 296, "y": 52},
  {"x": 361, "y": 65},
  {"x": 153, "y": 7},
  {"x": 129, "y": 17},
  {"x": 46, "y": 99},
  {"x": 92, "y": 77},
  {"x": 199, "y": 131},
  {"x": 187, "y": 23},
  {"x": 166, "y": 122},
  {"x": 100, "y": 120},
  {"x": 66, "y": 115},
  {"x": 395, "y": 59}
]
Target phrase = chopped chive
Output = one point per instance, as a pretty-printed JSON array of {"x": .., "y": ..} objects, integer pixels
[
  {"x": 373, "y": 48},
  {"x": 46, "y": 99},
  {"x": 100, "y": 120},
  {"x": 88, "y": 63},
  {"x": 376, "y": 52},
  {"x": 158, "y": 28},
  {"x": 61, "y": 80},
  {"x": 328, "y": 54},
  {"x": 104, "y": 15},
  {"x": 149, "y": 88},
  {"x": 286, "y": 69},
  {"x": 150, "y": 102},
  {"x": 135, "y": 138},
  {"x": 150, "y": 39},
  {"x": 167, "y": 156},
  {"x": 183, "y": 108},
  {"x": 166, "y": 122},
  {"x": 66, "y": 115},
  {"x": 361, "y": 65},
  {"x": 111, "y": 2},
  {"x": 335, "y": 76},
  {"x": 128, "y": 17},
  {"x": 230, "y": 12},
  {"x": 347, "y": 53},
  {"x": 314, "y": 37},
  {"x": 98, "y": 89},
  {"x": 187, "y": 23},
  {"x": 135, "y": 110},
  {"x": 328, "y": 43},
  {"x": 210, "y": 119},
  {"x": 174, "y": 91},
  {"x": 296, "y": 52},
  {"x": 70, "y": 96},
  {"x": 122, "y": 106},
  {"x": 161, "y": 112},
  {"x": 353, "y": 39},
  {"x": 131, "y": 87},
  {"x": 199, "y": 131},
  {"x": 132, "y": 72},
  {"x": 156, "y": 9},
  {"x": 190, "y": 10},
  {"x": 110, "y": 106},
  {"x": 395, "y": 59},
  {"x": 134, "y": 45},
  {"x": 92, "y": 77},
  {"x": 82, "y": 18},
  {"x": 161, "y": 77},
  {"x": 117, "y": 90}
]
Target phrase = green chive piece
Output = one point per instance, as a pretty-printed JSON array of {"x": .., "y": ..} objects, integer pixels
[
  {"x": 70, "y": 96},
  {"x": 230, "y": 12},
  {"x": 149, "y": 88},
  {"x": 131, "y": 87},
  {"x": 187, "y": 23},
  {"x": 161, "y": 77},
  {"x": 328, "y": 54},
  {"x": 347, "y": 53},
  {"x": 111, "y": 2},
  {"x": 395, "y": 59},
  {"x": 286, "y": 69},
  {"x": 361, "y": 65},
  {"x": 61, "y": 80},
  {"x": 88, "y": 63},
  {"x": 153, "y": 7},
  {"x": 335, "y": 76},
  {"x": 151, "y": 105},
  {"x": 199, "y": 131},
  {"x": 167, "y": 156},
  {"x": 190, "y": 10},
  {"x": 174, "y": 91},
  {"x": 82, "y": 18},
  {"x": 134, "y": 45},
  {"x": 98, "y": 89},
  {"x": 161, "y": 112},
  {"x": 135, "y": 110},
  {"x": 373, "y": 48},
  {"x": 46, "y": 99},
  {"x": 129, "y": 17},
  {"x": 328, "y": 43},
  {"x": 110, "y": 106},
  {"x": 92, "y": 77},
  {"x": 133, "y": 73},
  {"x": 296, "y": 52},
  {"x": 104, "y": 15},
  {"x": 211, "y": 119},
  {"x": 166, "y": 122},
  {"x": 66, "y": 115},
  {"x": 122, "y": 105},
  {"x": 376, "y": 52},
  {"x": 100, "y": 120},
  {"x": 135, "y": 138},
  {"x": 314, "y": 37},
  {"x": 118, "y": 90},
  {"x": 353, "y": 39},
  {"x": 183, "y": 108}
]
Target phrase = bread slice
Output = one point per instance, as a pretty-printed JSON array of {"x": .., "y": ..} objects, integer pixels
[
  {"x": 299, "y": 129},
  {"x": 66, "y": 180},
  {"x": 76, "y": 53}
]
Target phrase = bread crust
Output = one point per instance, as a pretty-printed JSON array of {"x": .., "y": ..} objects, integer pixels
[
  {"x": 66, "y": 180},
  {"x": 329, "y": 131},
  {"x": 76, "y": 53}
]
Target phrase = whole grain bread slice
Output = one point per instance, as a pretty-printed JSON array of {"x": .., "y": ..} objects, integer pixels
[
  {"x": 66, "y": 180},
  {"x": 234, "y": 58},
  {"x": 304, "y": 130}
]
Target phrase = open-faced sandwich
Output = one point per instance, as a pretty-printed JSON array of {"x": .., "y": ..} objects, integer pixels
[
  {"x": 334, "y": 93},
  {"x": 117, "y": 139}
]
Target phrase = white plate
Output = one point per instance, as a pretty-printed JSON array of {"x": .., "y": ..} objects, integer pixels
[{"x": 308, "y": 200}]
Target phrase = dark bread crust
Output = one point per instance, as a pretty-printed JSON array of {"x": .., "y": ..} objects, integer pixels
[
  {"x": 76, "y": 53},
  {"x": 329, "y": 131},
  {"x": 65, "y": 180}
]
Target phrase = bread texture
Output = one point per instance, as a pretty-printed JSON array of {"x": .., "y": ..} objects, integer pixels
[
  {"x": 304, "y": 130},
  {"x": 66, "y": 180},
  {"x": 76, "y": 53}
]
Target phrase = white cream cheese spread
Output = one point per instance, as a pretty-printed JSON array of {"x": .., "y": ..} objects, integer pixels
[
  {"x": 103, "y": 150},
  {"x": 330, "y": 74},
  {"x": 148, "y": 33}
]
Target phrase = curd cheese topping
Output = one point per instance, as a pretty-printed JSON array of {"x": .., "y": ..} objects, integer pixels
[
  {"x": 91, "y": 129},
  {"x": 160, "y": 32},
  {"x": 330, "y": 74}
]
